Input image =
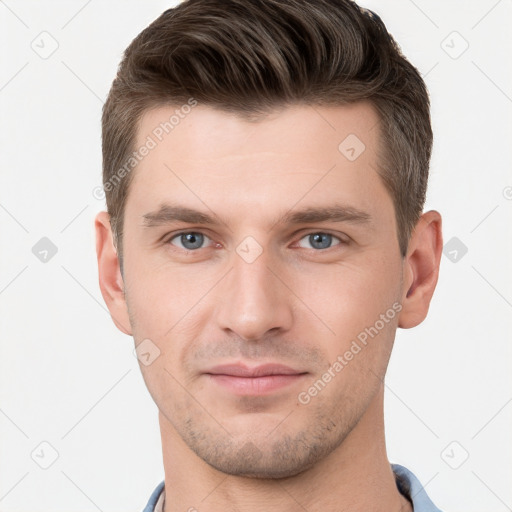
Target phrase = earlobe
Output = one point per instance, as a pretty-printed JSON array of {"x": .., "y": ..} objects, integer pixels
[
  {"x": 421, "y": 269},
  {"x": 110, "y": 279}
]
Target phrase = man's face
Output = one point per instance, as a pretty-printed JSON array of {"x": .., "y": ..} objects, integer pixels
[{"x": 252, "y": 309}]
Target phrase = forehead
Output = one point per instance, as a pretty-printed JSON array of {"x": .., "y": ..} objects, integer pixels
[
  {"x": 214, "y": 133},
  {"x": 210, "y": 158}
]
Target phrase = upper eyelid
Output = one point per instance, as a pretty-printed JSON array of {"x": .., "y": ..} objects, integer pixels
[
  {"x": 172, "y": 236},
  {"x": 339, "y": 237}
]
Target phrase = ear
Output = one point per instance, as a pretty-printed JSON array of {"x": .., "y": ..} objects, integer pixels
[
  {"x": 111, "y": 281},
  {"x": 421, "y": 269}
]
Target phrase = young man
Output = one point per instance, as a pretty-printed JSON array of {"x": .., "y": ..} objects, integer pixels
[{"x": 265, "y": 170}]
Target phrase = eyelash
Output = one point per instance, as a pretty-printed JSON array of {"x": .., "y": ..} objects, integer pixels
[{"x": 176, "y": 235}]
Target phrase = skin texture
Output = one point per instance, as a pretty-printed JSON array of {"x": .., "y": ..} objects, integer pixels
[{"x": 296, "y": 303}]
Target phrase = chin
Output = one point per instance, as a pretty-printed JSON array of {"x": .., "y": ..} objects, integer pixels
[{"x": 283, "y": 458}]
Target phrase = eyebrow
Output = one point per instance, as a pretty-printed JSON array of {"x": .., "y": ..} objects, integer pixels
[{"x": 168, "y": 214}]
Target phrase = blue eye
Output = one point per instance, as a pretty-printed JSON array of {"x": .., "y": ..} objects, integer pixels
[
  {"x": 320, "y": 240},
  {"x": 189, "y": 240},
  {"x": 192, "y": 241}
]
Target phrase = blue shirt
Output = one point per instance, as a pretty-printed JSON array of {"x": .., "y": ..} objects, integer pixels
[{"x": 406, "y": 482}]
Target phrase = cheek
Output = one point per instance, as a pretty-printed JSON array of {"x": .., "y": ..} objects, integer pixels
[
  {"x": 356, "y": 302},
  {"x": 163, "y": 298},
  {"x": 347, "y": 298}
]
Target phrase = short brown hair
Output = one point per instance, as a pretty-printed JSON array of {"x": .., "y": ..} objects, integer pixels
[{"x": 251, "y": 56}]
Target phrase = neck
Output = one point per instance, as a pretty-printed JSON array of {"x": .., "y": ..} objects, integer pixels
[{"x": 356, "y": 476}]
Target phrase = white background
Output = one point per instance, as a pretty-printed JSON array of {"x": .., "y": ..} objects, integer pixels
[{"x": 70, "y": 379}]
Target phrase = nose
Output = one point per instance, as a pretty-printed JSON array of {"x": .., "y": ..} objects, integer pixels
[{"x": 254, "y": 301}]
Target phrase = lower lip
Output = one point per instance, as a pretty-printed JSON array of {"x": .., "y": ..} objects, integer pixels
[{"x": 263, "y": 385}]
